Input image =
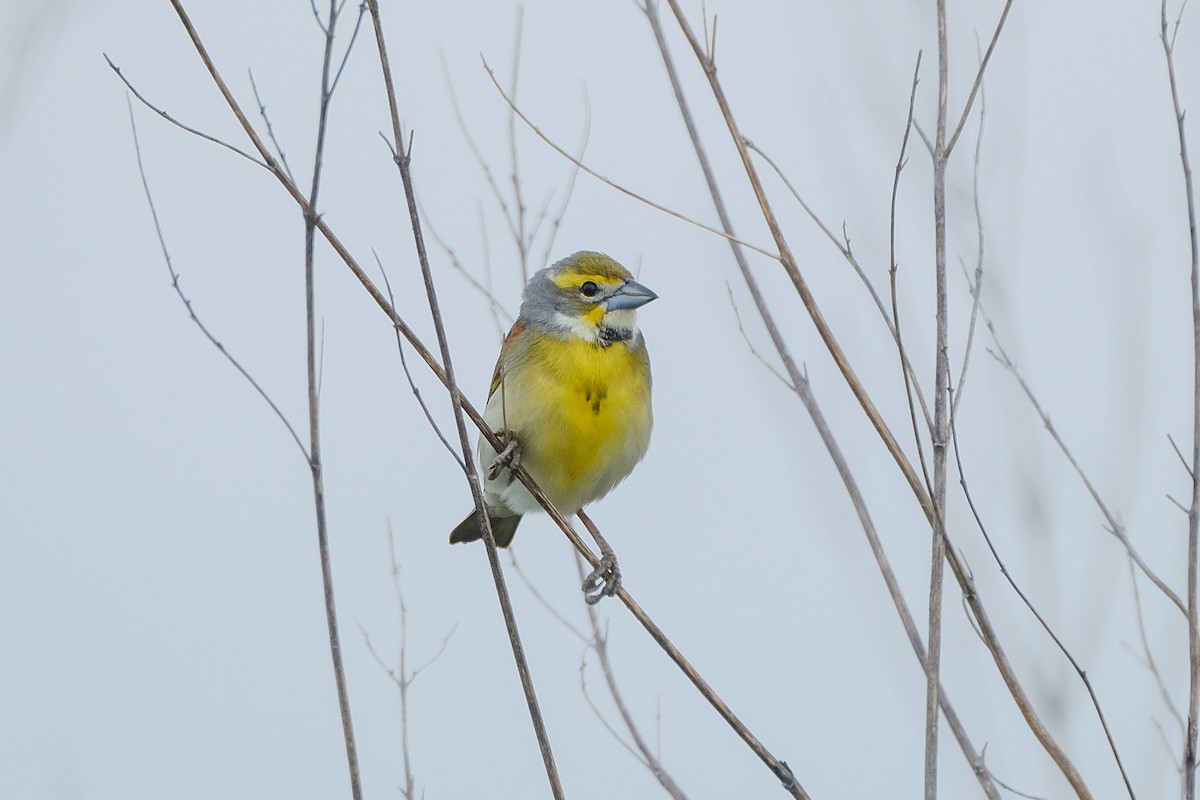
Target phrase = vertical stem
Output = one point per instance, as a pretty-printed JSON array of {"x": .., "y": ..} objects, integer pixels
[
  {"x": 403, "y": 162},
  {"x": 940, "y": 423},
  {"x": 1193, "y": 719},
  {"x": 314, "y": 421}
]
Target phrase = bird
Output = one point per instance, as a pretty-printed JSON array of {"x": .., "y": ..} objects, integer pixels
[{"x": 570, "y": 394}]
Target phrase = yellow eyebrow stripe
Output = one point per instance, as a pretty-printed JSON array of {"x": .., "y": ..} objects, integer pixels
[{"x": 573, "y": 280}]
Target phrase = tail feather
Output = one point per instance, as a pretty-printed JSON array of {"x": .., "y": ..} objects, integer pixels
[{"x": 503, "y": 529}]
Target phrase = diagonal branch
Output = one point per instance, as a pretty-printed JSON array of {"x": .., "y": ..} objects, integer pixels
[
  {"x": 187, "y": 303},
  {"x": 987, "y": 57},
  {"x": 780, "y": 768},
  {"x": 799, "y": 383},
  {"x": 961, "y": 575}
]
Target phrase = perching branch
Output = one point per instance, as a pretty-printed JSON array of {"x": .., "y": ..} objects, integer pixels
[{"x": 270, "y": 163}]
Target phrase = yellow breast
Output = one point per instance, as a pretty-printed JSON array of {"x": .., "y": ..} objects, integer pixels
[{"x": 581, "y": 413}]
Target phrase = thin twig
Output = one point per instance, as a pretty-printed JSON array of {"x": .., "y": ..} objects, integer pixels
[
  {"x": 177, "y": 123},
  {"x": 753, "y": 350},
  {"x": 556, "y": 221},
  {"x": 962, "y": 482},
  {"x": 978, "y": 282},
  {"x": 641, "y": 198},
  {"x": 519, "y": 235},
  {"x": 656, "y": 633},
  {"x": 400, "y": 675},
  {"x": 411, "y": 383},
  {"x": 911, "y": 385},
  {"x": 362, "y": 9},
  {"x": 1151, "y": 664},
  {"x": 1009, "y": 788},
  {"x": 1193, "y": 550},
  {"x": 187, "y": 303},
  {"x": 1182, "y": 460},
  {"x": 1113, "y": 525},
  {"x": 987, "y": 57},
  {"x": 648, "y": 757},
  {"x": 843, "y": 247},
  {"x": 546, "y": 604},
  {"x": 262, "y": 112},
  {"x": 505, "y": 209},
  {"x": 494, "y": 306}
]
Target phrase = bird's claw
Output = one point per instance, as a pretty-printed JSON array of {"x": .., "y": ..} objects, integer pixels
[
  {"x": 507, "y": 458},
  {"x": 604, "y": 580}
]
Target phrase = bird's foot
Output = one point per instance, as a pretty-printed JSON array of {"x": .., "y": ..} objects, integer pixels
[
  {"x": 507, "y": 458},
  {"x": 604, "y": 580}
]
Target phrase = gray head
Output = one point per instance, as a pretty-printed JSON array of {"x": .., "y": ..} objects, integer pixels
[{"x": 588, "y": 295}]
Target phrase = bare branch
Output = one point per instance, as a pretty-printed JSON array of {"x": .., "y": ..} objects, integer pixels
[
  {"x": 187, "y": 303},
  {"x": 788, "y": 261},
  {"x": 911, "y": 384},
  {"x": 1193, "y": 550},
  {"x": 648, "y": 757},
  {"x": 408, "y": 376},
  {"x": 1150, "y": 663},
  {"x": 315, "y": 463},
  {"x": 803, "y": 391},
  {"x": 978, "y": 282},
  {"x": 1112, "y": 744},
  {"x": 177, "y": 123},
  {"x": 843, "y": 247},
  {"x": 641, "y": 198},
  {"x": 262, "y": 112},
  {"x": 403, "y": 162},
  {"x": 1114, "y": 527},
  {"x": 987, "y": 57}
]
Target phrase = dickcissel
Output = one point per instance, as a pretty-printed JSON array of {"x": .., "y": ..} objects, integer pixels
[{"x": 571, "y": 388}]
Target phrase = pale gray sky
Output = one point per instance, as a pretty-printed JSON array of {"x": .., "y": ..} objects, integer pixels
[{"x": 160, "y": 595}]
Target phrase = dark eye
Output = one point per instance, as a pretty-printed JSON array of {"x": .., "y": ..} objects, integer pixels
[{"x": 589, "y": 289}]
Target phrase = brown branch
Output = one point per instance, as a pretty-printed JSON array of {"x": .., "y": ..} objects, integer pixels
[
  {"x": 1114, "y": 527},
  {"x": 978, "y": 282},
  {"x": 843, "y": 247},
  {"x": 1150, "y": 663},
  {"x": 400, "y": 675},
  {"x": 262, "y": 112},
  {"x": 599, "y": 644},
  {"x": 403, "y": 162},
  {"x": 496, "y": 309},
  {"x": 1087, "y": 683},
  {"x": 780, "y": 768},
  {"x": 911, "y": 384},
  {"x": 965, "y": 581},
  {"x": 187, "y": 303},
  {"x": 314, "y": 423},
  {"x": 177, "y": 123},
  {"x": 641, "y": 198},
  {"x": 987, "y": 57},
  {"x": 800, "y": 384},
  {"x": 412, "y": 384}
]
